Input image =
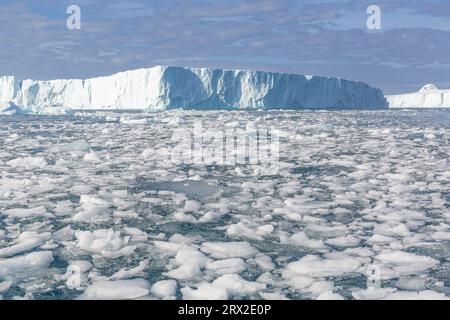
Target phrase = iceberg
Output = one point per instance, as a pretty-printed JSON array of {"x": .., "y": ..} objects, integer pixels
[
  {"x": 429, "y": 96},
  {"x": 162, "y": 88}
]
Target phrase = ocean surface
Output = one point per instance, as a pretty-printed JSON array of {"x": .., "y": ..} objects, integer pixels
[{"x": 346, "y": 205}]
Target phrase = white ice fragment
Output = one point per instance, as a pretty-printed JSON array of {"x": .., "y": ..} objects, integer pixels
[
  {"x": 28, "y": 163},
  {"x": 92, "y": 156},
  {"x": 27, "y": 241},
  {"x": 75, "y": 146},
  {"x": 411, "y": 283},
  {"x": 405, "y": 263},
  {"x": 164, "y": 289},
  {"x": 108, "y": 243},
  {"x": 329, "y": 295},
  {"x": 190, "y": 262},
  {"x": 28, "y": 264},
  {"x": 224, "y": 250},
  {"x": 372, "y": 293},
  {"x": 22, "y": 213},
  {"x": 75, "y": 275},
  {"x": 302, "y": 240},
  {"x": 422, "y": 295},
  {"x": 135, "y": 272},
  {"x": 225, "y": 266},
  {"x": 264, "y": 262},
  {"x": 222, "y": 288},
  {"x": 94, "y": 209},
  {"x": 314, "y": 266},
  {"x": 344, "y": 241},
  {"x": 116, "y": 290},
  {"x": 5, "y": 285}
]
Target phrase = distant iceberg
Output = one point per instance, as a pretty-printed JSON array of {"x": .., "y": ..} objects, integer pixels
[
  {"x": 162, "y": 88},
  {"x": 429, "y": 96}
]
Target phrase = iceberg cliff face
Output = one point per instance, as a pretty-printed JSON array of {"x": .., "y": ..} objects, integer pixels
[
  {"x": 161, "y": 88},
  {"x": 427, "y": 97}
]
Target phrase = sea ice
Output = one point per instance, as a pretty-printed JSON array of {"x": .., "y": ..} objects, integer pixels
[
  {"x": 116, "y": 290},
  {"x": 106, "y": 242},
  {"x": 224, "y": 250},
  {"x": 314, "y": 266}
]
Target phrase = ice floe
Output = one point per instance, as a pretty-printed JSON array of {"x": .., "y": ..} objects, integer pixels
[{"x": 91, "y": 206}]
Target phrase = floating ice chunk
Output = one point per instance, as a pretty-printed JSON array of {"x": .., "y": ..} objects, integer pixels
[
  {"x": 329, "y": 295},
  {"x": 222, "y": 288},
  {"x": 135, "y": 272},
  {"x": 224, "y": 250},
  {"x": 64, "y": 234},
  {"x": 22, "y": 213},
  {"x": 273, "y": 296},
  {"x": 108, "y": 243},
  {"x": 190, "y": 262},
  {"x": 28, "y": 264},
  {"x": 302, "y": 240},
  {"x": 76, "y": 146},
  {"x": 4, "y": 286},
  {"x": 265, "y": 230},
  {"x": 319, "y": 287},
  {"x": 28, "y": 163},
  {"x": 411, "y": 283},
  {"x": 380, "y": 239},
  {"x": 400, "y": 230},
  {"x": 165, "y": 289},
  {"x": 360, "y": 252},
  {"x": 423, "y": 295},
  {"x": 226, "y": 266},
  {"x": 133, "y": 121},
  {"x": 168, "y": 248},
  {"x": 296, "y": 281},
  {"x": 94, "y": 209},
  {"x": 373, "y": 294},
  {"x": 52, "y": 109},
  {"x": 441, "y": 236},
  {"x": 192, "y": 206},
  {"x": 240, "y": 230},
  {"x": 344, "y": 241},
  {"x": 27, "y": 241},
  {"x": 314, "y": 266},
  {"x": 237, "y": 286},
  {"x": 116, "y": 290},
  {"x": 264, "y": 262},
  {"x": 75, "y": 275},
  {"x": 404, "y": 263},
  {"x": 327, "y": 231},
  {"x": 182, "y": 217},
  {"x": 136, "y": 234},
  {"x": 92, "y": 156},
  {"x": 205, "y": 291}
]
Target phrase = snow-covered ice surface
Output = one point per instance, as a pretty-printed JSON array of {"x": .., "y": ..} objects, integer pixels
[{"x": 92, "y": 208}]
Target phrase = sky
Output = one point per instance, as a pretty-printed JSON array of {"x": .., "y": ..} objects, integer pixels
[{"x": 327, "y": 37}]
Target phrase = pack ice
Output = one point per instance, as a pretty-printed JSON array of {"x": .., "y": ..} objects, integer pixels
[
  {"x": 429, "y": 96},
  {"x": 161, "y": 88}
]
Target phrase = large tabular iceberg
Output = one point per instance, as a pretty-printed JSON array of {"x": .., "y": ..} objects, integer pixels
[
  {"x": 162, "y": 88},
  {"x": 427, "y": 97}
]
